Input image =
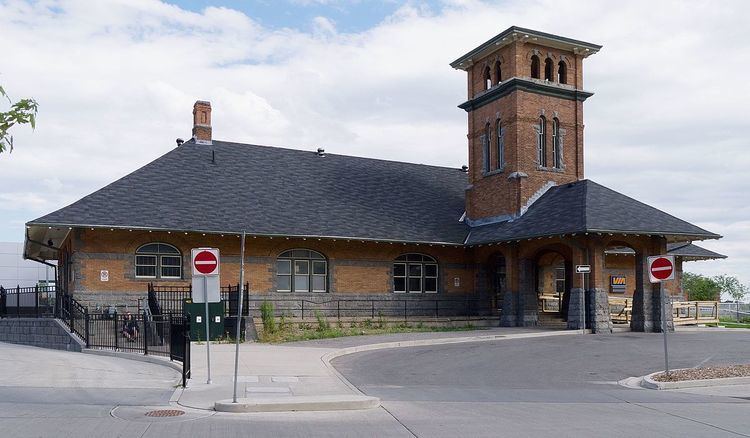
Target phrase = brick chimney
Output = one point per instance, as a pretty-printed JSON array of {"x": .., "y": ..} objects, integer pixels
[{"x": 202, "y": 122}]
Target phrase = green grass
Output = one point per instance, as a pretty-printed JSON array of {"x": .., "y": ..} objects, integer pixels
[
  {"x": 731, "y": 325},
  {"x": 287, "y": 333}
]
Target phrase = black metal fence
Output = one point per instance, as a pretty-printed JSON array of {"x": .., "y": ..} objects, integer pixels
[
  {"x": 170, "y": 299},
  {"x": 34, "y": 301},
  {"x": 166, "y": 334},
  {"x": 373, "y": 308}
]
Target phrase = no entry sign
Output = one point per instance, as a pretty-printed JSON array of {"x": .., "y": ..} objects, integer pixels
[
  {"x": 661, "y": 268},
  {"x": 205, "y": 261}
]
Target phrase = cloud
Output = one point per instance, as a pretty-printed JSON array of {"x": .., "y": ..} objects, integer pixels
[{"x": 116, "y": 81}]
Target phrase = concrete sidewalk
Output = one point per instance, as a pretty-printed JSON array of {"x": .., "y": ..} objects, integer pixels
[{"x": 299, "y": 376}]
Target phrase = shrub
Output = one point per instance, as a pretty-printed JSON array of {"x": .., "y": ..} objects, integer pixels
[
  {"x": 266, "y": 314},
  {"x": 322, "y": 323}
]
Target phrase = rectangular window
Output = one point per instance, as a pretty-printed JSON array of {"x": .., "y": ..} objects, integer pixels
[
  {"x": 486, "y": 152},
  {"x": 430, "y": 278},
  {"x": 399, "y": 277},
  {"x": 318, "y": 276},
  {"x": 500, "y": 147},
  {"x": 170, "y": 267},
  {"x": 145, "y": 266},
  {"x": 415, "y": 278},
  {"x": 284, "y": 275},
  {"x": 560, "y": 280},
  {"x": 302, "y": 276}
]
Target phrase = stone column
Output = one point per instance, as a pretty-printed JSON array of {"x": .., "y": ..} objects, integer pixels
[
  {"x": 527, "y": 315},
  {"x": 647, "y": 301},
  {"x": 510, "y": 309},
  {"x": 597, "y": 299},
  {"x": 574, "y": 309}
]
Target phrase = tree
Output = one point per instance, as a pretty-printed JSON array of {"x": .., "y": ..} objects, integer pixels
[
  {"x": 731, "y": 286},
  {"x": 700, "y": 288},
  {"x": 20, "y": 113}
]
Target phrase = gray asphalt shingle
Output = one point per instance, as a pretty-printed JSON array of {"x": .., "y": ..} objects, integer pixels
[{"x": 274, "y": 191}]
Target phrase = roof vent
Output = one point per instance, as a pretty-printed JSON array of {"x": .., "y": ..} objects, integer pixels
[
  {"x": 321, "y": 152},
  {"x": 465, "y": 169},
  {"x": 180, "y": 142}
]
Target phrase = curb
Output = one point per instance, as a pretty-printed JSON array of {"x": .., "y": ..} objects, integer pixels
[
  {"x": 649, "y": 383},
  {"x": 299, "y": 403}
]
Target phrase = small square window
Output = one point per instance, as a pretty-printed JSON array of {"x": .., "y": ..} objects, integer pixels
[
  {"x": 430, "y": 285},
  {"x": 415, "y": 285},
  {"x": 430, "y": 270},
  {"x": 301, "y": 267},
  {"x": 301, "y": 283},
  {"x": 319, "y": 283},
  {"x": 319, "y": 268},
  {"x": 283, "y": 267},
  {"x": 399, "y": 284},
  {"x": 399, "y": 270},
  {"x": 415, "y": 270},
  {"x": 284, "y": 283}
]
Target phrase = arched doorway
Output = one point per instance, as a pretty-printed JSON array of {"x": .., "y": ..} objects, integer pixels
[
  {"x": 497, "y": 280},
  {"x": 553, "y": 282}
]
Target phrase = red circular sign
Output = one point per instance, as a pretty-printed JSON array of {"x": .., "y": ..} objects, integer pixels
[
  {"x": 205, "y": 262},
  {"x": 661, "y": 268}
]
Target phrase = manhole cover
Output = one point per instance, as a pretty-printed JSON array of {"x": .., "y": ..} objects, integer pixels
[{"x": 165, "y": 413}]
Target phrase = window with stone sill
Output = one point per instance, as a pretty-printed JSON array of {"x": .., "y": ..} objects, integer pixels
[
  {"x": 415, "y": 273},
  {"x": 158, "y": 260},
  {"x": 301, "y": 270}
]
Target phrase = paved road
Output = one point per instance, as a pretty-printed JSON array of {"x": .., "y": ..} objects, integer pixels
[
  {"x": 562, "y": 386},
  {"x": 559, "y": 386}
]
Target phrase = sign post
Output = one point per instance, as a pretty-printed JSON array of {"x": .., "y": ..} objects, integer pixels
[
  {"x": 240, "y": 292},
  {"x": 661, "y": 268},
  {"x": 583, "y": 270},
  {"x": 205, "y": 265}
]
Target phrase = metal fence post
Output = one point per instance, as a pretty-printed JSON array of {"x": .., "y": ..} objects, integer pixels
[
  {"x": 303, "y": 309},
  {"x": 86, "y": 329},
  {"x": 36, "y": 299},
  {"x": 114, "y": 324},
  {"x": 372, "y": 309},
  {"x": 70, "y": 315},
  {"x": 338, "y": 309},
  {"x": 145, "y": 334},
  {"x": 405, "y": 310},
  {"x": 18, "y": 301}
]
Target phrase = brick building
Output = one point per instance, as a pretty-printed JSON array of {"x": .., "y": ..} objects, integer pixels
[{"x": 509, "y": 228}]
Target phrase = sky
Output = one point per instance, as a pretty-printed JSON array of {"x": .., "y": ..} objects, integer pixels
[{"x": 116, "y": 81}]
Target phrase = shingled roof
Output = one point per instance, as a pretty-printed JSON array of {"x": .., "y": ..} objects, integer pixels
[
  {"x": 691, "y": 251},
  {"x": 267, "y": 191},
  {"x": 587, "y": 207},
  {"x": 274, "y": 191}
]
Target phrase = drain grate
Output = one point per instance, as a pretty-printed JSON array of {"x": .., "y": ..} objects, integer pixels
[{"x": 165, "y": 413}]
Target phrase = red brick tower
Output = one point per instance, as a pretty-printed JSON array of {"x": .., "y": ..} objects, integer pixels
[{"x": 525, "y": 109}]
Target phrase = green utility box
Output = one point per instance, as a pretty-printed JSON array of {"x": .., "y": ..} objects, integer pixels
[{"x": 197, "y": 312}]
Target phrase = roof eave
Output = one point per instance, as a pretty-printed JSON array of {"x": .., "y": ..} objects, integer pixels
[{"x": 515, "y": 33}]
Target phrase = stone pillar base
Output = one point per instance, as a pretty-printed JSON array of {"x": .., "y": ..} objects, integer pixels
[
  {"x": 574, "y": 309},
  {"x": 598, "y": 311}
]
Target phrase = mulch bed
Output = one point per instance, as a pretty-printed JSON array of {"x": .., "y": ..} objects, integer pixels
[{"x": 714, "y": 372}]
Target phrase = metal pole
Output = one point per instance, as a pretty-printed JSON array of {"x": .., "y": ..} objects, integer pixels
[
  {"x": 240, "y": 292},
  {"x": 664, "y": 327},
  {"x": 583, "y": 303},
  {"x": 208, "y": 338}
]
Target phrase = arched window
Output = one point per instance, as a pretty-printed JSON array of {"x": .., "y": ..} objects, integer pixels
[
  {"x": 548, "y": 70},
  {"x": 541, "y": 142},
  {"x": 498, "y": 73},
  {"x": 535, "y": 67},
  {"x": 415, "y": 273},
  {"x": 556, "y": 144},
  {"x": 301, "y": 270},
  {"x": 487, "y": 78},
  {"x": 486, "y": 148},
  {"x": 500, "y": 145},
  {"x": 158, "y": 260},
  {"x": 562, "y": 73}
]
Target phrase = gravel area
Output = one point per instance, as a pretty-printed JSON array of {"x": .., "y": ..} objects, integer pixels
[{"x": 715, "y": 372}]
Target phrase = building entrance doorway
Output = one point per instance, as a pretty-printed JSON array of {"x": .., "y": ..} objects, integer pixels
[{"x": 496, "y": 272}]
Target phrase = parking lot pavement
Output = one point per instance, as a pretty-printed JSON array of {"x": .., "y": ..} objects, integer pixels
[{"x": 563, "y": 385}]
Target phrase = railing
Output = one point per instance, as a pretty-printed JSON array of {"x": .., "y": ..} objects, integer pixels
[
  {"x": 738, "y": 312},
  {"x": 695, "y": 312},
  {"x": 170, "y": 299},
  {"x": 36, "y": 301},
  {"x": 162, "y": 335},
  {"x": 373, "y": 308},
  {"x": 550, "y": 303},
  {"x": 620, "y": 309}
]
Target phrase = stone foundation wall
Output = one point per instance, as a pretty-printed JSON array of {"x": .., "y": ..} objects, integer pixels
[{"x": 42, "y": 332}]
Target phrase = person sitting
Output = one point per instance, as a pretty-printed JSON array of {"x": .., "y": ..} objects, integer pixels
[{"x": 130, "y": 328}]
